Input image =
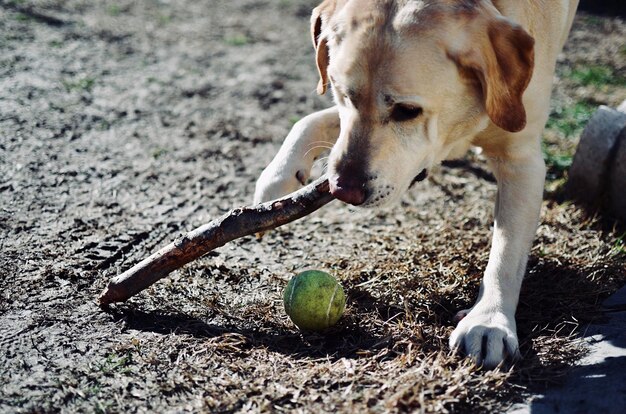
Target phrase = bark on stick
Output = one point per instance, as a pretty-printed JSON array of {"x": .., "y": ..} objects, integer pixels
[{"x": 232, "y": 225}]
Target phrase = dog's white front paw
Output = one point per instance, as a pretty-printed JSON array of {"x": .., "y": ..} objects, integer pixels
[
  {"x": 487, "y": 336},
  {"x": 279, "y": 179}
]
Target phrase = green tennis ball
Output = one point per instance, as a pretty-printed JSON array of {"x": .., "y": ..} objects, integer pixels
[{"x": 314, "y": 300}]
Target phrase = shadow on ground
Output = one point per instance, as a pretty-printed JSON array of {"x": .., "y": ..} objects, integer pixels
[{"x": 342, "y": 341}]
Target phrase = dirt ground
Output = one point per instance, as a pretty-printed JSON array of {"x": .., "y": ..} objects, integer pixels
[{"x": 124, "y": 124}]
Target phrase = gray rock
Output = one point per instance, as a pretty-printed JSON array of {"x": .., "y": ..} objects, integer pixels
[
  {"x": 617, "y": 180},
  {"x": 589, "y": 174}
]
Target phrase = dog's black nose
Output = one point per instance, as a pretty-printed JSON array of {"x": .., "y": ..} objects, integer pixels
[{"x": 347, "y": 188}]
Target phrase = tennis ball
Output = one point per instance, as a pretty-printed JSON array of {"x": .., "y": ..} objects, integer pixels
[{"x": 314, "y": 300}]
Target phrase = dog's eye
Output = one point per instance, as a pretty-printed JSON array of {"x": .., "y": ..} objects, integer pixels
[{"x": 401, "y": 113}]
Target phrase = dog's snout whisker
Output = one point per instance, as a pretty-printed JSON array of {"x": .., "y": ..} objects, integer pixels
[
  {"x": 323, "y": 142},
  {"x": 314, "y": 148}
]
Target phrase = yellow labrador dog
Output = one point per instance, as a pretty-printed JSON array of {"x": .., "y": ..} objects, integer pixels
[{"x": 416, "y": 82}]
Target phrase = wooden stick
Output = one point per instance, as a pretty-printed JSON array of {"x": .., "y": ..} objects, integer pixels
[{"x": 232, "y": 225}]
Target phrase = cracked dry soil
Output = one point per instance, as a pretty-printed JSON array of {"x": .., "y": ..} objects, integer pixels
[{"x": 123, "y": 125}]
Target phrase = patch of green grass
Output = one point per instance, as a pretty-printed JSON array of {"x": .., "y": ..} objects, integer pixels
[
  {"x": 103, "y": 407},
  {"x": 84, "y": 84},
  {"x": 21, "y": 17},
  {"x": 155, "y": 80},
  {"x": 237, "y": 40},
  {"x": 556, "y": 162},
  {"x": 293, "y": 119},
  {"x": 595, "y": 75},
  {"x": 114, "y": 10},
  {"x": 116, "y": 363},
  {"x": 164, "y": 19},
  {"x": 55, "y": 44},
  {"x": 93, "y": 390},
  {"x": 619, "y": 247},
  {"x": 622, "y": 50},
  {"x": 570, "y": 120},
  {"x": 103, "y": 125},
  {"x": 593, "y": 20},
  {"x": 158, "y": 152}
]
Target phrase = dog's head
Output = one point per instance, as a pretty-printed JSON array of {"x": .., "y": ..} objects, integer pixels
[{"x": 411, "y": 80}]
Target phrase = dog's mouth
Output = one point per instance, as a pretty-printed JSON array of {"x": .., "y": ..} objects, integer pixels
[{"x": 419, "y": 177}]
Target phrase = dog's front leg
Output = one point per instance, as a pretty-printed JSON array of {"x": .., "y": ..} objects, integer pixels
[
  {"x": 291, "y": 166},
  {"x": 487, "y": 331}
]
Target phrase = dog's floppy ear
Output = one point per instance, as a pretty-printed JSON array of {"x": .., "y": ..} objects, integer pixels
[
  {"x": 319, "y": 19},
  {"x": 502, "y": 58}
]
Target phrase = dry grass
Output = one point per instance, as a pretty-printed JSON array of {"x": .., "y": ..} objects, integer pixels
[{"x": 389, "y": 352}]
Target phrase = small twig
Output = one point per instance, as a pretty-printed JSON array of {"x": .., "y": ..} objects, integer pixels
[
  {"x": 232, "y": 225},
  {"x": 35, "y": 14}
]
